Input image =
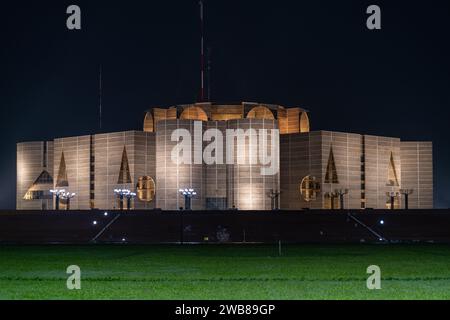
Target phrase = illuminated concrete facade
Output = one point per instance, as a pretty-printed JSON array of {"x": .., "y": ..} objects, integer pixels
[
  {"x": 122, "y": 160},
  {"x": 311, "y": 166},
  {"x": 34, "y": 175},
  {"x": 366, "y": 168},
  {"x": 220, "y": 185}
]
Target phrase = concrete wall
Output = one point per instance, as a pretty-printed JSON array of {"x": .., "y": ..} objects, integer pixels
[
  {"x": 364, "y": 165},
  {"x": 289, "y": 120},
  {"x": 109, "y": 152},
  {"x": 248, "y": 186},
  {"x": 300, "y": 156},
  {"x": 216, "y": 174},
  {"x": 239, "y": 184},
  {"x": 367, "y": 166},
  {"x": 378, "y": 152},
  {"x": 347, "y": 158},
  {"x": 32, "y": 159},
  {"x": 77, "y": 154},
  {"x": 170, "y": 176},
  {"x": 417, "y": 173}
]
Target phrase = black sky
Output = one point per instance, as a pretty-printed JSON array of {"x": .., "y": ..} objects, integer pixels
[{"x": 316, "y": 54}]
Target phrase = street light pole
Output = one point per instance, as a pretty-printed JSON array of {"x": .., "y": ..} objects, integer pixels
[
  {"x": 188, "y": 194},
  {"x": 66, "y": 196},
  {"x": 406, "y": 193},
  {"x": 58, "y": 195},
  {"x": 341, "y": 193},
  {"x": 130, "y": 196},
  {"x": 273, "y": 195},
  {"x": 57, "y": 201},
  {"x": 122, "y": 193},
  {"x": 392, "y": 195}
]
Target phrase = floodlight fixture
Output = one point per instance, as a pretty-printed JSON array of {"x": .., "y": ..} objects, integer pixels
[
  {"x": 57, "y": 193},
  {"x": 67, "y": 196},
  {"x": 188, "y": 193},
  {"x": 121, "y": 193}
]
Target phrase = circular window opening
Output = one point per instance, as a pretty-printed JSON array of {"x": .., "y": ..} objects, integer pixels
[
  {"x": 145, "y": 189},
  {"x": 309, "y": 188}
]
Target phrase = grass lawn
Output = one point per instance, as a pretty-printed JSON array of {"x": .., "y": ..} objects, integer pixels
[{"x": 225, "y": 272}]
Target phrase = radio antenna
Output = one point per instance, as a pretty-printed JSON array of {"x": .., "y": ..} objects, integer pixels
[
  {"x": 208, "y": 73},
  {"x": 100, "y": 97}
]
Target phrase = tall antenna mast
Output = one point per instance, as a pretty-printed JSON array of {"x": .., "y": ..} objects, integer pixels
[
  {"x": 202, "y": 53},
  {"x": 208, "y": 73},
  {"x": 100, "y": 97}
]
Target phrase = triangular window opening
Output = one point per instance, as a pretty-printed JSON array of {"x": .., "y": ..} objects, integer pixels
[
  {"x": 44, "y": 178},
  {"x": 331, "y": 175},
  {"x": 392, "y": 173},
  {"x": 40, "y": 187},
  {"x": 62, "y": 180},
  {"x": 124, "y": 174}
]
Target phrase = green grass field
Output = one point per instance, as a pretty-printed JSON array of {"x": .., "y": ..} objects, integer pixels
[{"x": 225, "y": 272}]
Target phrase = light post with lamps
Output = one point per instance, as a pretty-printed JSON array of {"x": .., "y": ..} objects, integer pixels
[
  {"x": 57, "y": 194},
  {"x": 121, "y": 193},
  {"x": 273, "y": 195},
  {"x": 67, "y": 196},
  {"x": 341, "y": 193},
  {"x": 188, "y": 194},
  {"x": 129, "y": 195},
  {"x": 406, "y": 193}
]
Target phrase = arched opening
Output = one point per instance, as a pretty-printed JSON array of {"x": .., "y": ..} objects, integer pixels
[
  {"x": 260, "y": 112},
  {"x": 194, "y": 113},
  {"x": 145, "y": 189},
  {"x": 304, "y": 122},
  {"x": 148, "y": 122}
]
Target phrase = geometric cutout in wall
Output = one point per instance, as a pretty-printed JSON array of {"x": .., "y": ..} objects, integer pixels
[
  {"x": 61, "y": 180},
  {"x": 145, "y": 189},
  {"x": 124, "y": 174},
  {"x": 309, "y": 188},
  {"x": 40, "y": 189},
  {"x": 260, "y": 112},
  {"x": 392, "y": 173},
  {"x": 194, "y": 113},
  {"x": 304, "y": 122},
  {"x": 148, "y": 122},
  {"x": 331, "y": 175}
]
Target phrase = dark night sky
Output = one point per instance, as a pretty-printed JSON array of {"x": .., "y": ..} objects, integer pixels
[{"x": 316, "y": 54}]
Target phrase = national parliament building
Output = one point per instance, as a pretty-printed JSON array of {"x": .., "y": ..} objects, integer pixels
[{"x": 314, "y": 169}]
